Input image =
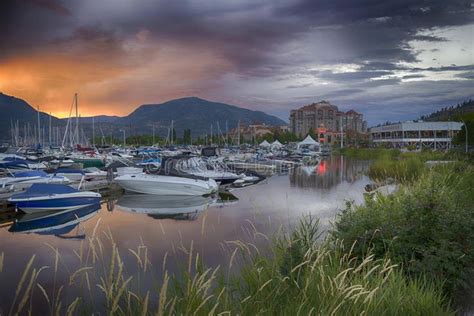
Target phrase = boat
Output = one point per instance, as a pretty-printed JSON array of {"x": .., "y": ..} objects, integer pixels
[
  {"x": 22, "y": 180},
  {"x": 71, "y": 174},
  {"x": 46, "y": 197},
  {"x": 206, "y": 169},
  {"x": 75, "y": 175},
  {"x": 165, "y": 185},
  {"x": 54, "y": 223},
  {"x": 261, "y": 169}
]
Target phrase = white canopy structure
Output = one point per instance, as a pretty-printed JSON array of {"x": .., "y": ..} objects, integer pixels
[
  {"x": 308, "y": 142},
  {"x": 276, "y": 145},
  {"x": 264, "y": 144}
]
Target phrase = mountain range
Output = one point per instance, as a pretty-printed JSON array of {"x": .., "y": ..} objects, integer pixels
[{"x": 190, "y": 112}]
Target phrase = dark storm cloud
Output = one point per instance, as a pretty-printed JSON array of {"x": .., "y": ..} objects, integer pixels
[
  {"x": 466, "y": 75},
  {"x": 248, "y": 32},
  {"x": 413, "y": 76},
  {"x": 264, "y": 41},
  {"x": 351, "y": 76}
]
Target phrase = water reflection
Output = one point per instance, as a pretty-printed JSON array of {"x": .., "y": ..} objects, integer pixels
[
  {"x": 54, "y": 223},
  {"x": 160, "y": 207},
  {"x": 278, "y": 202},
  {"x": 329, "y": 173}
]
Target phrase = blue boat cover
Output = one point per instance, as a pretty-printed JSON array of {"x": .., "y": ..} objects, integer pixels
[
  {"x": 30, "y": 173},
  {"x": 44, "y": 189},
  {"x": 67, "y": 170},
  {"x": 9, "y": 164},
  {"x": 14, "y": 159}
]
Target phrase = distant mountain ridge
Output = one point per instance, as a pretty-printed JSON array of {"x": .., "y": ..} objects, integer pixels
[
  {"x": 451, "y": 112},
  {"x": 194, "y": 113}
]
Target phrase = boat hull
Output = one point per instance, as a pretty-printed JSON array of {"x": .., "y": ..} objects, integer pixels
[
  {"x": 166, "y": 185},
  {"x": 55, "y": 202}
]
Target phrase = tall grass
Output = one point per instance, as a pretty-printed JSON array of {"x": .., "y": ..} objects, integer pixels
[
  {"x": 300, "y": 276},
  {"x": 426, "y": 227},
  {"x": 402, "y": 170},
  {"x": 370, "y": 153}
]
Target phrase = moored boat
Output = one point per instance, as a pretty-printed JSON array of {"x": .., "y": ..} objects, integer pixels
[
  {"x": 52, "y": 197},
  {"x": 166, "y": 185}
]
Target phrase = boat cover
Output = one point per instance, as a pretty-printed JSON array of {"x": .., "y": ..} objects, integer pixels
[
  {"x": 44, "y": 189},
  {"x": 67, "y": 170},
  {"x": 30, "y": 173}
]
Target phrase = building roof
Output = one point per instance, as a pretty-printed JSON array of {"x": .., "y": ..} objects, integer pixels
[
  {"x": 418, "y": 126},
  {"x": 352, "y": 112},
  {"x": 318, "y": 105}
]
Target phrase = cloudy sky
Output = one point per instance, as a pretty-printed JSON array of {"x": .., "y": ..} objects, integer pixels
[{"x": 391, "y": 60}]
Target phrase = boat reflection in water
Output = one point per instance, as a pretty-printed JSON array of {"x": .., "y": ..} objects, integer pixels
[
  {"x": 54, "y": 223},
  {"x": 172, "y": 207},
  {"x": 165, "y": 206}
]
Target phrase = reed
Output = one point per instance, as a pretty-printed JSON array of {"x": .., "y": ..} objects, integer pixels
[
  {"x": 426, "y": 226},
  {"x": 299, "y": 274}
]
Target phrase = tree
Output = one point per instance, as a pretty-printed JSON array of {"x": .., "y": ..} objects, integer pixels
[{"x": 187, "y": 138}]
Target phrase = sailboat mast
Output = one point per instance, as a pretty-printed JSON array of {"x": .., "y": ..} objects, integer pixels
[
  {"x": 49, "y": 128},
  {"x": 238, "y": 134},
  {"x": 39, "y": 126},
  {"x": 93, "y": 132},
  {"x": 77, "y": 119}
]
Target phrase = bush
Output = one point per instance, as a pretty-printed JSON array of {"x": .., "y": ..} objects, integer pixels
[
  {"x": 426, "y": 226},
  {"x": 301, "y": 276}
]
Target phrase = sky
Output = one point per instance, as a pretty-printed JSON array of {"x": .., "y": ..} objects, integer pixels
[{"x": 390, "y": 60}]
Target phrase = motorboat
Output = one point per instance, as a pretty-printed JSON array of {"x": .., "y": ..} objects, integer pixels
[
  {"x": 166, "y": 185},
  {"x": 72, "y": 174},
  {"x": 161, "y": 205},
  {"x": 54, "y": 223},
  {"x": 94, "y": 173},
  {"x": 13, "y": 162},
  {"x": 206, "y": 169},
  {"x": 44, "y": 197},
  {"x": 24, "y": 179},
  {"x": 75, "y": 175}
]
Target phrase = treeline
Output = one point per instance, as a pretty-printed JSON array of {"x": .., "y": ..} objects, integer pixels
[{"x": 187, "y": 139}]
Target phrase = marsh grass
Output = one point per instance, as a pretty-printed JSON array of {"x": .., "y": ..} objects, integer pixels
[
  {"x": 299, "y": 275},
  {"x": 426, "y": 227}
]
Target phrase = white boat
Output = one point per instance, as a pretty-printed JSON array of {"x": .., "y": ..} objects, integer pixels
[
  {"x": 197, "y": 167},
  {"x": 45, "y": 197},
  {"x": 25, "y": 179},
  {"x": 166, "y": 185},
  {"x": 262, "y": 169},
  {"x": 121, "y": 171}
]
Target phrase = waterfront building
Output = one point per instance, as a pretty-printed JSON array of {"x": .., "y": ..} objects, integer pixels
[
  {"x": 324, "y": 120},
  {"x": 418, "y": 135}
]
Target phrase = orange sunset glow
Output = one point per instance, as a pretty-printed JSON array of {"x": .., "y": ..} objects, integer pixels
[{"x": 108, "y": 81}]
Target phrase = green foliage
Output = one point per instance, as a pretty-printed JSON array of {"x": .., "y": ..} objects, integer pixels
[
  {"x": 287, "y": 137},
  {"x": 460, "y": 138},
  {"x": 370, "y": 153},
  {"x": 402, "y": 170},
  {"x": 426, "y": 226},
  {"x": 300, "y": 276},
  {"x": 146, "y": 140},
  {"x": 187, "y": 138}
]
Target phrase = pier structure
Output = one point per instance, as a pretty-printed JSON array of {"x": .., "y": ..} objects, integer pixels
[{"x": 419, "y": 135}]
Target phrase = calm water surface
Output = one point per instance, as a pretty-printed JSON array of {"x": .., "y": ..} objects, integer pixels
[{"x": 158, "y": 223}]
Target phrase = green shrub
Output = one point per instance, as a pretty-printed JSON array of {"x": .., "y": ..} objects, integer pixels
[
  {"x": 301, "y": 276},
  {"x": 426, "y": 226}
]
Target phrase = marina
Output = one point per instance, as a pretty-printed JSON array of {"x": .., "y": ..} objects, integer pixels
[{"x": 165, "y": 222}]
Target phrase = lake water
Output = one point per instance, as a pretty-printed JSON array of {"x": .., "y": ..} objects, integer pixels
[{"x": 276, "y": 203}]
